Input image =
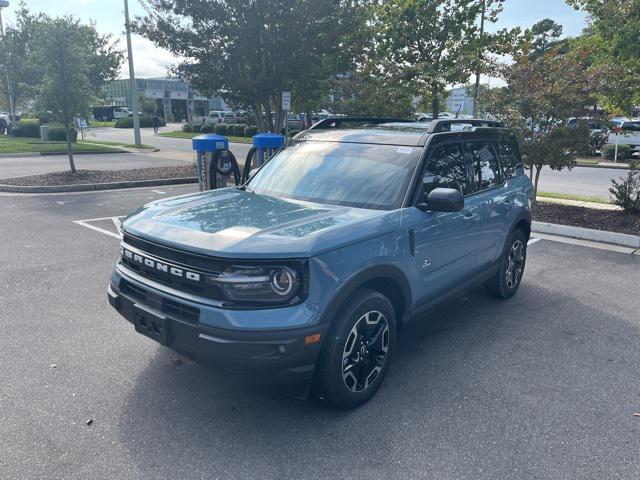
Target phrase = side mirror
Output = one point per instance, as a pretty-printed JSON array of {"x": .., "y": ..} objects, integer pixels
[{"x": 443, "y": 200}]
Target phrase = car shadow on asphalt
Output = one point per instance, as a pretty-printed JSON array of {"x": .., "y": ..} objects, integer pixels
[{"x": 486, "y": 377}]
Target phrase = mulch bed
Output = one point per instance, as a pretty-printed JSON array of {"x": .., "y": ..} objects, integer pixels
[
  {"x": 609, "y": 220},
  {"x": 103, "y": 176}
]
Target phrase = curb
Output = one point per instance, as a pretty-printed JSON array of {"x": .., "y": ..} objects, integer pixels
[
  {"x": 98, "y": 152},
  {"x": 18, "y": 155},
  {"x": 609, "y": 167},
  {"x": 90, "y": 187},
  {"x": 623, "y": 239}
]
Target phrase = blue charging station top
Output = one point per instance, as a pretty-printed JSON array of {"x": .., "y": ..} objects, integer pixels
[
  {"x": 268, "y": 140},
  {"x": 210, "y": 142}
]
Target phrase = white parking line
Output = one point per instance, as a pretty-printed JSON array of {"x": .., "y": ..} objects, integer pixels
[
  {"x": 534, "y": 240},
  {"x": 115, "y": 220}
]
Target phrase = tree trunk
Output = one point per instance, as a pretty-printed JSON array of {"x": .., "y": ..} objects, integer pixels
[
  {"x": 435, "y": 105},
  {"x": 69, "y": 148},
  {"x": 308, "y": 120},
  {"x": 535, "y": 182}
]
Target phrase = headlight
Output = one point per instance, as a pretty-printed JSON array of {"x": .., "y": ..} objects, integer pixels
[{"x": 265, "y": 285}]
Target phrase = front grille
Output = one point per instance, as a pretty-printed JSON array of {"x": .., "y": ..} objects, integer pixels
[
  {"x": 172, "y": 308},
  {"x": 180, "y": 311}
]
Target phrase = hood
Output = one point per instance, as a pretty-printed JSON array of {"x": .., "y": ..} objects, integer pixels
[{"x": 234, "y": 223}]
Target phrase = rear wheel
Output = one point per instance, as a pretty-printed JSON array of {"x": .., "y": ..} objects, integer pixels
[
  {"x": 506, "y": 281},
  {"x": 358, "y": 349}
]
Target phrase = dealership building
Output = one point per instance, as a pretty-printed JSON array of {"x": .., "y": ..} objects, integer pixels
[{"x": 175, "y": 99}]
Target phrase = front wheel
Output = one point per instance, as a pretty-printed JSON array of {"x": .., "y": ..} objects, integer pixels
[
  {"x": 358, "y": 349},
  {"x": 506, "y": 281}
]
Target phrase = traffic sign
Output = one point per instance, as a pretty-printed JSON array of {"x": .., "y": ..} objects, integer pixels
[{"x": 286, "y": 101}]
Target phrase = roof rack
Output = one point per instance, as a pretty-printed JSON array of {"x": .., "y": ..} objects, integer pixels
[
  {"x": 444, "y": 125},
  {"x": 335, "y": 122}
]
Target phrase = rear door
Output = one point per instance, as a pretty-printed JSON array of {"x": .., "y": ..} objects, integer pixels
[{"x": 445, "y": 242}]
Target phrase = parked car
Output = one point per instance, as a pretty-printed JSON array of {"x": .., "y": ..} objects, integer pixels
[
  {"x": 110, "y": 112},
  {"x": 295, "y": 122},
  {"x": 626, "y": 133},
  {"x": 308, "y": 272},
  {"x": 599, "y": 130},
  {"x": 220, "y": 116},
  {"x": 5, "y": 122}
]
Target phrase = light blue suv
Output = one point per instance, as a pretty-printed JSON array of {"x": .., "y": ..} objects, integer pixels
[{"x": 307, "y": 273}]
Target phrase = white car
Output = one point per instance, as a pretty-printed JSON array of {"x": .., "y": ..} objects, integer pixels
[
  {"x": 219, "y": 116},
  {"x": 5, "y": 122},
  {"x": 626, "y": 132}
]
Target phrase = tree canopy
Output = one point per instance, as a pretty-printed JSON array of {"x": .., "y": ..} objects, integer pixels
[{"x": 253, "y": 50}]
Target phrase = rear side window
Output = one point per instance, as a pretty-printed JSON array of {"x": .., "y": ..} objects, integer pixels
[
  {"x": 447, "y": 168},
  {"x": 509, "y": 157},
  {"x": 485, "y": 166}
]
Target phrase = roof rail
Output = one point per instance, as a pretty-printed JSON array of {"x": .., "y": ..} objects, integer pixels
[
  {"x": 335, "y": 122},
  {"x": 444, "y": 125}
]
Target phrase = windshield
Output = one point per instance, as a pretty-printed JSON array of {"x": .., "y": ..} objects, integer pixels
[{"x": 351, "y": 174}]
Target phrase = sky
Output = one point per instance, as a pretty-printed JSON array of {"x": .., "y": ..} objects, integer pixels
[{"x": 151, "y": 61}]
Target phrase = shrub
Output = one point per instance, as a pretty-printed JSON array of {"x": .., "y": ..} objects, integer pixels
[
  {"x": 208, "y": 128},
  {"x": 230, "y": 130},
  {"x": 187, "y": 127},
  {"x": 30, "y": 129},
  {"x": 626, "y": 191},
  {"x": 43, "y": 117},
  {"x": 220, "y": 128},
  {"x": 145, "y": 122},
  {"x": 57, "y": 133},
  {"x": 196, "y": 128},
  {"x": 250, "y": 131},
  {"x": 238, "y": 130},
  {"x": 624, "y": 152}
]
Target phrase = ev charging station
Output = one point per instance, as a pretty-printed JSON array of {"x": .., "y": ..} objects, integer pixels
[
  {"x": 216, "y": 163},
  {"x": 265, "y": 145}
]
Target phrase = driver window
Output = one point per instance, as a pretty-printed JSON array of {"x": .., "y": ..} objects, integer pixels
[{"x": 447, "y": 168}]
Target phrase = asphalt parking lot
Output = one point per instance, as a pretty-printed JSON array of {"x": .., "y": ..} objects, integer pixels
[{"x": 543, "y": 386}]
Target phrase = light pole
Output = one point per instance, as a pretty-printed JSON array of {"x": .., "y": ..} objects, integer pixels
[
  {"x": 476, "y": 93},
  {"x": 4, "y": 4},
  {"x": 132, "y": 77}
]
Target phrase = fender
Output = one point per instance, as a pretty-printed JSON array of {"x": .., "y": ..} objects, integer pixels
[{"x": 361, "y": 278}]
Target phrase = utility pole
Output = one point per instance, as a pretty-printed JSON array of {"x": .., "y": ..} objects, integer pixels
[
  {"x": 12, "y": 109},
  {"x": 132, "y": 77},
  {"x": 476, "y": 93}
]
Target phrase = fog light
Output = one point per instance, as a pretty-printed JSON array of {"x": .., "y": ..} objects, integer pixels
[{"x": 282, "y": 349}]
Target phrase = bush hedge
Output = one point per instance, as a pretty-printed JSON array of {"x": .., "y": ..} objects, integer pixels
[
  {"x": 609, "y": 151},
  {"x": 238, "y": 130},
  {"x": 230, "y": 130},
  {"x": 196, "y": 128},
  {"x": 57, "y": 133},
  {"x": 145, "y": 122},
  {"x": 27, "y": 129},
  {"x": 220, "y": 128},
  {"x": 187, "y": 127},
  {"x": 208, "y": 128},
  {"x": 250, "y": 131}
]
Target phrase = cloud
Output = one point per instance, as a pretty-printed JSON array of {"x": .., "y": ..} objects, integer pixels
[{"x": 148, "y": 59}]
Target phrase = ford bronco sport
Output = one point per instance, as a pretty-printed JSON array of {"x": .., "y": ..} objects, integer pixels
[{"x": 308, "y": 271}]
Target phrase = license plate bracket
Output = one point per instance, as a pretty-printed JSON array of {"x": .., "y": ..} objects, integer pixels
[{"x": 152, "y": 325}]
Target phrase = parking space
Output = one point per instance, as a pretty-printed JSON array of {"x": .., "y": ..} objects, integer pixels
[{"x": 542, "y": 386}]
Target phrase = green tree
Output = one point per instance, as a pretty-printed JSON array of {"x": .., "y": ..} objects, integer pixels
[
  {"x": 75, "y": 61},
  {"x": 15, "y": 58},
  {"x": 541, "y": 94},
  {"x": 429, "y": 44},
  {"x": 253, "y": 50},
  {"x": 613, "y": 37},
  {"x": 545, "y": 34},
  {"x": 148, "y": 106}
]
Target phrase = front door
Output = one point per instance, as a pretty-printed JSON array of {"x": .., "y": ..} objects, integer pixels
[{"x": 445, "y": 242}]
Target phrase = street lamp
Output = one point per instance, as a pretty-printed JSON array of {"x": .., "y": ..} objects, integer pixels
[
  {"x": 5, "y": 4},
  {"x": 132, "y": 77}
]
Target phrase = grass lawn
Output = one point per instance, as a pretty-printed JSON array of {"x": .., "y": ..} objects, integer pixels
[
  {"x": 31, "y": 145},
  {"x": 96, "y": 123},
  {"x": 90, "y": 141},
  {"x": 181, "y": 134},
  {"x": 579, "y": 198},
  {"x": 589, "y": 161}
]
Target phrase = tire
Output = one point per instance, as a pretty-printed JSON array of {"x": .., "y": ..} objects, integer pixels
[
  {"x": 506, "y": 281},
  {"x": 357, "y": 351}
]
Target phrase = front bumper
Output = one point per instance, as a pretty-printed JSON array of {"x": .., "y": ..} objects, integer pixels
[{"x": 280, "y": 356}]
